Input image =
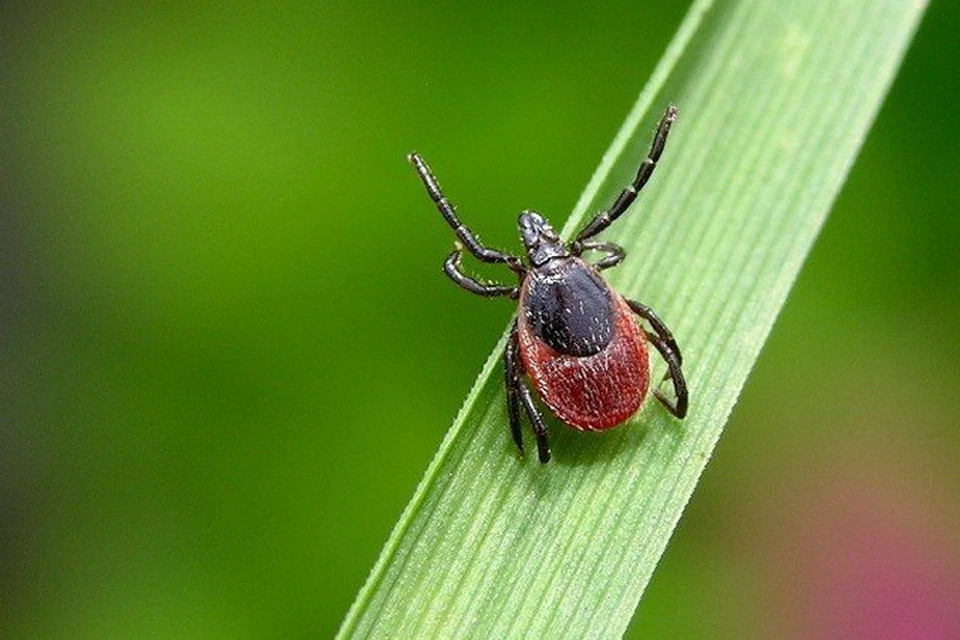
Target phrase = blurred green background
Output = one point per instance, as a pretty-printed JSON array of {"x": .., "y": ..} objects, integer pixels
[{"x": 229, "y": 353}]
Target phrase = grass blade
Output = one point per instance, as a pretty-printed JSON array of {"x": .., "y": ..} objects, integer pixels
[{"x": 775, "y": 101}]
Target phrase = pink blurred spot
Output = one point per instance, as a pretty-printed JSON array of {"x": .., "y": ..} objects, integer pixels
[{"x": 869, "y": 560}]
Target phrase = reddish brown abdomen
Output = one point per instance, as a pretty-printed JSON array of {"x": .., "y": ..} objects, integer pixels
[{"x": 592, "y": 392}]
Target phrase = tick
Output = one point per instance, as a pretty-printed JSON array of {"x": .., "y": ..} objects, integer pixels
[{"x": 574, "y": 336}]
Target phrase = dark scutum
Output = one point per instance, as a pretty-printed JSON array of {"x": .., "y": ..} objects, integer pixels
[{"x": 568, "y": 307}]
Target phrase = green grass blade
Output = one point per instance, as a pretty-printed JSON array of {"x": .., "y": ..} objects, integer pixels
[{"x": 775, "y": 101}]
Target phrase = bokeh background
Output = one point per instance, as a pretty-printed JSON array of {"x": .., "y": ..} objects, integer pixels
[{"x": 228, "y": 352}]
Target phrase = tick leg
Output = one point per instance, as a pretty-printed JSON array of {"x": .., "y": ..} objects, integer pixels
[
  {"x": 651, "y": 316},
  {"x": 662, "y": 339},
  {"x": 466, "y": 236},
  {"x": 536, "y": 420},
  {"x": 512, "y": 374},
  {"x": 679, "y": 409},
  {"x": 517, "y": 390},
  {"x": 628, "y": 195},
  {"x": 451, "y": 266},
  {"x": 615, "y": 253}
]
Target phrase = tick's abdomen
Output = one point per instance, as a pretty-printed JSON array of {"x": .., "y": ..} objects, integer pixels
[{"x": 579, "y": 343}]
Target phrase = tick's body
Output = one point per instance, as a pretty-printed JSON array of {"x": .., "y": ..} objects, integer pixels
[
  {"x": 581, "y": 346},
  {"x": 574, "y": 336}
]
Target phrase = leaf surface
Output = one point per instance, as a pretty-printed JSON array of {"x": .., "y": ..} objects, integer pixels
[{"x": 775, "y": 101}]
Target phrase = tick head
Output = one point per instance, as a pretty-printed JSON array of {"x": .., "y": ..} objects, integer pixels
[{"x": 539, "y": 238}]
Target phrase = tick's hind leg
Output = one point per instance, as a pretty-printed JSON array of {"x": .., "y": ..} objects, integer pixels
[
  {"x": 511, "y": 372},
  {"x": 659, "y": 327},
  {"x": 517, "y": 393},
  {"x": 678, "y": 408},
  {"x": 536, "y": 421},
  {"x": 663, "y": 340}
]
